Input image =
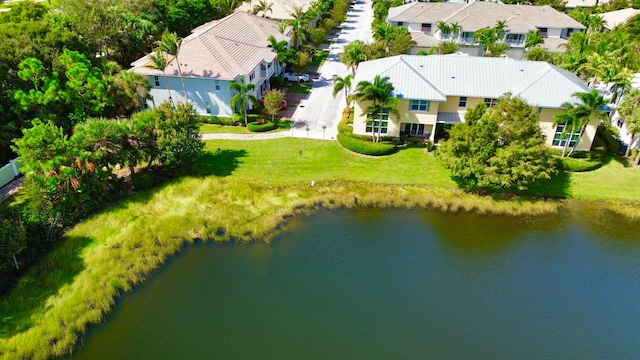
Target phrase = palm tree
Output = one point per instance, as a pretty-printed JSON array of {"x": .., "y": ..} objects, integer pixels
[
  {"x": 455, "y": 30},
  {"x": 280, "y": 48},
  {"x": 379, "y": 93},
  {"x": 353, "y": 54},
  {"x": 384, "y": 33},
  {"x": 344, "y": 83},
  {"x": 263, "y": 6},
  {"x": 159, "y": 61},
  {"x": 242, "y": 96},
  {"x": 170, "y": 43},
  {"x": 533, "y": 39},
  {"x": 578, "y": 117},
  {"x": 129, "y": 91},
  {"x": 445, "y": 30},
  {"x": 629, "y": 111},
  {"x": 300, "y": 26}
]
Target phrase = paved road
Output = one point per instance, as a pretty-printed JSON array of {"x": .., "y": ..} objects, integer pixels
[{"x": 321, "y": 108}]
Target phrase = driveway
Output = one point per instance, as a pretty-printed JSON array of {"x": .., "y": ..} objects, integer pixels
[{"x": 321, "y": 108}]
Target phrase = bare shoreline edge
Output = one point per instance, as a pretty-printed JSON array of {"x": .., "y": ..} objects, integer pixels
[{"x": 89, "y": 297}]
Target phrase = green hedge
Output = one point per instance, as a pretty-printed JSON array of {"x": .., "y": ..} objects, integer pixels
[
  {"x": 256, "y": 127},
  {"x": 578, "y": 165},
  {"x": 366, "y": 147}
]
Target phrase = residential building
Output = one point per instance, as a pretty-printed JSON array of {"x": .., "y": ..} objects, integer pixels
[
  {"x": 587, "y": 4},
  {"x": 618, "y": 17},
  {"x": 422, "y": 19},
  {"x": 280, "y": 9},
  {"x": 434, "y": 92},
  {"x": 214, "y": 55}
]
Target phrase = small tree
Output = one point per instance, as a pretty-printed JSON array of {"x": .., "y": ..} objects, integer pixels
[
  {"x": 177, "y": 135},
  {"x": 340, "y": 83},
  {"x": 499, "y": 148},
  {"x": 302, "y": 62},
  {"x": 629, "y": 111},
  {"x": 272, "y": 102},
  {"x": 242, "y": 96}
]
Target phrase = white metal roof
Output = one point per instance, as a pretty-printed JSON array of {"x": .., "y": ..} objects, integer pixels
[{"x": 437, "y": 76}]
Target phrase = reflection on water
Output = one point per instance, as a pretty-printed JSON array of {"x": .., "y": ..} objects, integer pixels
[{"x": 383, "y": 283}]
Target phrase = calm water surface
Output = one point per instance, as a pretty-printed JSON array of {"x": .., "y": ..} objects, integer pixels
[{"x": 393, "y": 284}]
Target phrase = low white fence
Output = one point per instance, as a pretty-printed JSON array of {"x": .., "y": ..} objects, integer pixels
[{"x": 9, "y": 171}]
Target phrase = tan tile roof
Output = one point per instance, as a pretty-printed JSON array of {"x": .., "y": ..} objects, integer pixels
[
  {"x": 618, "y": 17},
  {"x": 281, "y": 9},
  {"x": 424, "y": 40},
  {"x": 554, "y": 44},
  {"x": 223, "y": 49},
  {"x": 474, "y": 16}
]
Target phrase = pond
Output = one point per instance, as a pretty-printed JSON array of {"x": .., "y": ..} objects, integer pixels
[{"x": 390, "y": 284}]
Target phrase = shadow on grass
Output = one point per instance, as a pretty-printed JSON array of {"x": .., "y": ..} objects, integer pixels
[
  {"x": 556, "y": 187},
  {"x": 43, "y": 280},
  {"x": 220, "y": 163}
]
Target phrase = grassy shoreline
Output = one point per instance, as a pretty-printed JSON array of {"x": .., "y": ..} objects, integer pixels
[{"x": 252, "y": 189}]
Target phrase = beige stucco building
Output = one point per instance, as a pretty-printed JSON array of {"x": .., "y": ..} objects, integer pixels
[{"x": 434, "y": 92}]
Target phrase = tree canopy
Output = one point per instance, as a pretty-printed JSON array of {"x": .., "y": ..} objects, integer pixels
[{"x": 501, "y": 148}]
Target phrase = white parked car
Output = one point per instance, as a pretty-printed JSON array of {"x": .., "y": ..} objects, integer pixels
[{"x": 291, "y": 76}]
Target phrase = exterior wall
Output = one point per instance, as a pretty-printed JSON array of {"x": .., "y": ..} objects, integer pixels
[
  {"x": 429, "y": 118},
  {"x": 452, "y": 104},
  {"x": 406, "y": 116},
  {"x": 202, "y": 93},
  {"x": 515, "y": 53},
  {"x": 553, "y": 32},
  {"x": 10, "y": 171},
  {"x": 547, "y": 123}
]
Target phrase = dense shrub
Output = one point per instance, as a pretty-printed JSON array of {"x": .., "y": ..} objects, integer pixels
[
  {"x": 345, "y": 126},
  {"x": 366, "y": 147},
  {"x": 219, "y": 120},
  {"x": 277, "y": 81},
  {"x": 142, "y": 180},
  {"x": 606, "y": 138},
  {"x": 257, "y": 127}
]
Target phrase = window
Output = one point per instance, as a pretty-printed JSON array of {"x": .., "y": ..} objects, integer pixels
[
  {"x": 252, "y": 76},
  {"x": 543, "y": 32},
  {"x": 156, "y": 81},
  {"x": 414, "y": 129},
  {"x": 419, "y": 105},
  {"x": 570, "y": 31},
  {"x": 490, "y": 101},
  {"x": 468, "y": 37},
  {"x": 426, "y": 28},
  {"x": 516, "y": 39},
  {"x": 539, "y": 110},
  {"x": 560, "y": 137},
  {"x": 463, "y": 102},
  {"x": 400, "y": 23},
  {"x": 208, "y": 107},
  {"x": 372, "y": 124},
  {"x": 217, "y": 85}
]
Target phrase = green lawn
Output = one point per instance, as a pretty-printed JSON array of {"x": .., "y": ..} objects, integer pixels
[
  {"x": 292, "y": 160},
  {"x": 224, "y": 129},
  {"x": 302, "y": 88},
  {"x": 244, "y": 191},
  {"x": 321, "y": 56}
]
